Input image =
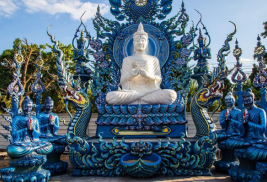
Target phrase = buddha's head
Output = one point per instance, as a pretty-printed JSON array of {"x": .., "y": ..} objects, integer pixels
[
  {"x": 49, "y": 105},
  {"x": 140, "y": 39},
  {"x": 229, "y": 100},
  {"x": 248, "y": 98},
  {"x": 27, "y": 106}
]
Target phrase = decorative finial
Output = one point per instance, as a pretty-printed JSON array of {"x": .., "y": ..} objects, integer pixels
[
  {"x": 200, "y": 37},
  {"x": 238, "y": 76}
]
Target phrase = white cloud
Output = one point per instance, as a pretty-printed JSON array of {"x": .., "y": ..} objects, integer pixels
[
  {"x": 73, "y": 7},
  {"x": 7, "y": 8},
  {"x": 246, "y": 60}
]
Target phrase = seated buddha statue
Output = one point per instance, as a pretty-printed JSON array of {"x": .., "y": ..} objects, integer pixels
[
  {"x": 229, "y": 126},
  {"x": 252, "y": 131},
  {"x": 141, "y": 77},
  {"x": 49, "y": 121},
  {"x": 25, "y": 134}
]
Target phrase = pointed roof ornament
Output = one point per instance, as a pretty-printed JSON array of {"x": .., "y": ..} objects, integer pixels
[{"x": 140, "y": 31}]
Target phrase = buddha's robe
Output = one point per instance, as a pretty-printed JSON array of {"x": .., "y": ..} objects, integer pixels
[
  {"x": 26, "y": 141},
  {"x": 251, "y": 133},
  {"x": 229, "y": 128},
  {"x": 141, "y": 90},
  {"x": 49, "y": 129}
]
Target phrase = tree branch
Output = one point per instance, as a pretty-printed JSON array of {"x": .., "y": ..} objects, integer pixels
[
  {"x": 1, "y": 89},
  {"x": 31, "y": 75},
  {"x": 48, "y": 85}
]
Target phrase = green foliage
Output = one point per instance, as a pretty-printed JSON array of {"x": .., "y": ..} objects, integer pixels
[
  {"x": 264, "y": 34},
  {"x": 28, "y": 71}
]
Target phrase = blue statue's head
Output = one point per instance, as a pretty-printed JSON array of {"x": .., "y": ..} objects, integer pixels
[
  {"x": 81, "y": 41},
  {"x": 248, "y": 98},
  {"x": 229, "y": 100},
  {"x": 49, "y": 105},
  {"x": 200, "y": 39},
  {"x": 27, "y": 106}
]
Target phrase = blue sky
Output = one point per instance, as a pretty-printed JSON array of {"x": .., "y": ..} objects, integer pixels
[{"x": 30, "y": 18}]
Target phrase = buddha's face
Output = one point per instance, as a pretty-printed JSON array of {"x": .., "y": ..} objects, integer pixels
[
  {"x": 229, "y": 102},
  {"x": 248, "y": 102},
  {"x": 49, "y": 107},
  {"x": 27, "y": 108},
  {"x": 140, "y": 43}
]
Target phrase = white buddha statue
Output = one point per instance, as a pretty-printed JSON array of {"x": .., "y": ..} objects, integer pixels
[{"x": 141, "y": 77}]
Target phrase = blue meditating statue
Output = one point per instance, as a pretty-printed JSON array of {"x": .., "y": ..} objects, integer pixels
[
  {"x": 27, "y": 153},
  {"x": 25, "y": 134},
  {"x": 230, "y": 119},
  {"x": 254, "y": 124},
  {"x": 49, "y": 121},
  {"x": 249, "y": 146},
  {"x": 49, "y": 124}
]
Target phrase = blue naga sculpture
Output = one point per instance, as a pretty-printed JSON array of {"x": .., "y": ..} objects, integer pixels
[
  {"x": 75, "y": 93},
  {"x": 121, "y": 156},
  {"x": 26, "y": 151},
  {"x": 210, "y": 91},
  {"x": 49, "y": 124}
]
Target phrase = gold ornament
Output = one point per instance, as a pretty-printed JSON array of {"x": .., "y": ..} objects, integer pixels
[
  {"x": 259, "y": 50},
  {"x": 19, "y": 58},
  {"x": 140, "y": 3},
  {"x": 39, "y": 62},
  {"x": 237, "y": 52}
]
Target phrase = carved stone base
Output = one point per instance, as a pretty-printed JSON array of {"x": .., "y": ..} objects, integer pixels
[
  {"x": 228, "y": 160},
  {"x": 56, "y": 167},
  {"x": 239, "y": 174},
  {"x": 53, "y": 163},
  {"x": 179, "y": 157},
  {"x": 249, "y": 171},
  {"x": 28, "y": 168}
]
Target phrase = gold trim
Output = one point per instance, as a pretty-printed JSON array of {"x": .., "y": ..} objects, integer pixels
[{"x": 117, "y": 131}]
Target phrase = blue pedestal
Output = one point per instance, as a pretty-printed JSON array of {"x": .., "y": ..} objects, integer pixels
[
  {"x": 148, "y": 121},
  {"x": 53, "y": 163},
  {"x": 27, "y": 168},
  {"x": 228, "y": 160}
]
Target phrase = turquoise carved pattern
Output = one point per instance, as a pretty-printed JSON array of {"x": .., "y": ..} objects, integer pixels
[{"x": 110, "y": 159}]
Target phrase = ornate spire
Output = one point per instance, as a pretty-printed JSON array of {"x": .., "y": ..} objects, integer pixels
[
  {"x": 140, "y": 31},
  {"x": 236, "y": 78},
  {"x": 260, "y": 78},
  {"x": 200, "y": 37}
]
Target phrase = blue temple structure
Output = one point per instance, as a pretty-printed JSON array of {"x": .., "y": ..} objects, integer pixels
[
  {"x": 168, "y": 40},
  {"x": 48, "y": 123},
  {"x": 27, "y": 153}
]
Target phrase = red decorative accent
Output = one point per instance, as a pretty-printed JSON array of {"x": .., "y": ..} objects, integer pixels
[
  {"x": 30, "y": 123},
  {"x": 51, "y": 119}
]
